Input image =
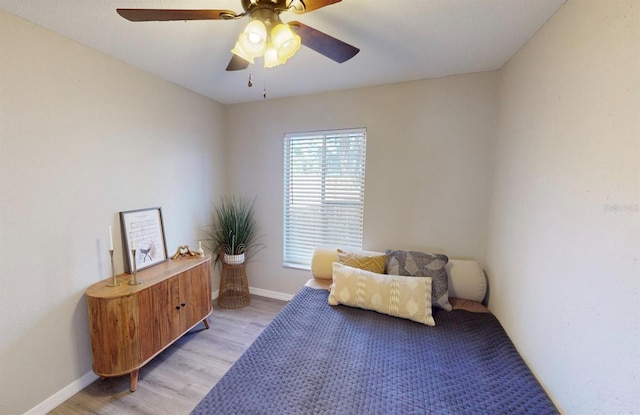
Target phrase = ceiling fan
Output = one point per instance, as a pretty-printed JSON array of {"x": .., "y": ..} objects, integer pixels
[{"x": 265, "y": 35}]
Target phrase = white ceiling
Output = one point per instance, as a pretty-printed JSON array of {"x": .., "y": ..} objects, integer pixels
[{"x": 400, "y": 40}]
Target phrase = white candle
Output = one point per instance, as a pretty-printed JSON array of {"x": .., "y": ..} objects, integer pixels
[
  {"x": 110, "y": 239},
  {"x": 133, "y": 243}
]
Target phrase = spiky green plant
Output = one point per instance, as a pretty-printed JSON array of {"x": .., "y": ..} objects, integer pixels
[{"x": 234, "y": 230}]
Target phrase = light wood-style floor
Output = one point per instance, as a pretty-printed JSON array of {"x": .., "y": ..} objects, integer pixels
[{"x": 176, "y": 380}]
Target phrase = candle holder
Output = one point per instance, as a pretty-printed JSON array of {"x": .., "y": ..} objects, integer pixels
[
  {"x": 135, "y": 280},
  {"x": 114, "y": 282}
]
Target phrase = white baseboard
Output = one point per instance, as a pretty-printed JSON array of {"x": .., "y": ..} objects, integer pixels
[
  {"x": 81, "y": 383},
  {"x": 262, "y": 293},
  {"x": 270, "y": 294},
  {"x": 63, "y": 394}
]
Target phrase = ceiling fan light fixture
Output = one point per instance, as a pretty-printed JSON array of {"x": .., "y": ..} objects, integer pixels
[{"x": 265, "y": 31}]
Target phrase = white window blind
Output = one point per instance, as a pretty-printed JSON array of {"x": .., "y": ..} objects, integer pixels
[{"x": 323, "y": 192}]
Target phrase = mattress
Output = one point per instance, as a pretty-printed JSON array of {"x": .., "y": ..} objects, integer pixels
[{"x": 319, "y": 359}]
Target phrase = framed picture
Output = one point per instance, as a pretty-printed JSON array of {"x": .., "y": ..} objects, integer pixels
[{"x": 143, "y": 230}]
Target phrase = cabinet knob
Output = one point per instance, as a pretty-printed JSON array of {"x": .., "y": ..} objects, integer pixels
[
  {"x": 183, "y": 304},
  {"x": 177, "y": 307}
]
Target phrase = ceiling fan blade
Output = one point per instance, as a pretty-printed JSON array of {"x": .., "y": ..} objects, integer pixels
[
  {"x": 156, "y": 15},
  {"x": 324, "y": 44},
  {"x": 306, "y": 6},
  {"x": 237, "y": 63}
]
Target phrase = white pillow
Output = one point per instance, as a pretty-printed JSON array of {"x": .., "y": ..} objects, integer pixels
[
  {"x": 466, "y": 280},
  {"x": 395, "y": 295}
]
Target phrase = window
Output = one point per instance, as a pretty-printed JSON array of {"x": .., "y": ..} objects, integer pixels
[{"x": 323, "y": 192}]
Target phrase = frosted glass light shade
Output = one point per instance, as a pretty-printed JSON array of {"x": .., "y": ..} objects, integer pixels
[
  {"x": 271, "y": 58},
  {"x": 252, "y": 41},
  {"x": 284, "y": 41},
  {"x": 239, "y": 51}
]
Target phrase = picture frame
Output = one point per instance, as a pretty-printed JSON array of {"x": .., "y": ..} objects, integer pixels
[{"x": 144, "y": 229}]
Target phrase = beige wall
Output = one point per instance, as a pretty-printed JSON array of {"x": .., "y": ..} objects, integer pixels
[
  {"x": 82, "y": 138},
  {"x": 428, "y": 164},
  {"x": 564, "y": 235}
]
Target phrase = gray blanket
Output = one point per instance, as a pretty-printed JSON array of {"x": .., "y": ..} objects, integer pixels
[{"x": 318, "y": 359}]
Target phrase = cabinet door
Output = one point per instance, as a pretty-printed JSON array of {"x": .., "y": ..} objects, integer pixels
[
  {"x": 163, "y": 315},
  {"x": 202, "y": 292},
  {"x": 188, "y": 315},
  {"x": 176, "y": 306},
  {"x": 195, "y": 296}
]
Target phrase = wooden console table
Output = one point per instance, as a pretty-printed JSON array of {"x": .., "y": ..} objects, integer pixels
[{"x": 131, "y": 324}]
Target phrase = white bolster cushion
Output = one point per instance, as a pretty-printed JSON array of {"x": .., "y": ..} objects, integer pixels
[{"x": 466, "y": 280}]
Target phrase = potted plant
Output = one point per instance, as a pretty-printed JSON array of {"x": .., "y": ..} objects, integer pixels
[{"x": 234, "y": 230}]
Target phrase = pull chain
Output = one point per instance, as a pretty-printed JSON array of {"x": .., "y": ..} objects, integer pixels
[{"x": 264, "y": 90}]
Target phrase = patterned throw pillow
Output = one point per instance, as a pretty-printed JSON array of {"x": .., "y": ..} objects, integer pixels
[
  {"x": 369, "y": 262},
  {"x": 419, "y": 264},
  {"x": 398, "y": 296}
]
